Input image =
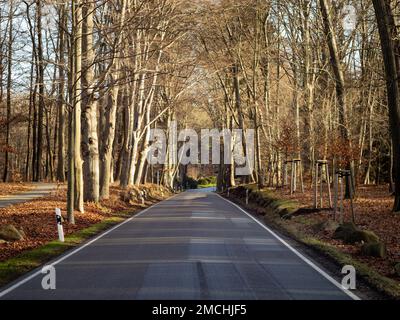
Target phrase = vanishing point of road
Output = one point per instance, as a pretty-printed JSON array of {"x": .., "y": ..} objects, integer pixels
[{"x": 193, "y": 246}]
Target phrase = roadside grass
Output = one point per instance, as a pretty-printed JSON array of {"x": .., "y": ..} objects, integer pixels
[
  {"x": 205, "y": 186},
  {"x": 17, "y": 266},
  {"x": 384, "y": 285}
]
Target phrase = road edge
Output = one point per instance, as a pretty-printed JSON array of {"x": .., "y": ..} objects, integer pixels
[
  {"x": 71, "y": 250},
  {"x": 295, "y": 251}
]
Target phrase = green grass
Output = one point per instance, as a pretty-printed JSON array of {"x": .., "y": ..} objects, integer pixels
[
  {"x": 205, "y": 186},
  {"x": 15, "y": 267}
]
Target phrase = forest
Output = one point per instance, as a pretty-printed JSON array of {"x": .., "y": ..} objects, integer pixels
[{"x": 84, "y": 84}]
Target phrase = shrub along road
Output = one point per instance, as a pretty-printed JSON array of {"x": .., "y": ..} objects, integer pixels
[{"x": 193, "y": 246}]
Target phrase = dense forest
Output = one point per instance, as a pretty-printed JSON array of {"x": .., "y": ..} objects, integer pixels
[{"x": 82, "y": 83}]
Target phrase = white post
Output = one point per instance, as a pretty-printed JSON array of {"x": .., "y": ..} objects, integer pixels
[
  {"x": 316, "y": 187},
  {"x": 59, "y": 225},
  {"x": 142, "y": 197},
  {"x": 336, "y": 190},
  {"x": 341, "y": 200}
]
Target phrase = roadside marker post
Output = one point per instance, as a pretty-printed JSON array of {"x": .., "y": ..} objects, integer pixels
[
  {"x": 321, "y": 172},
  {"x": 60, "y": 228}
]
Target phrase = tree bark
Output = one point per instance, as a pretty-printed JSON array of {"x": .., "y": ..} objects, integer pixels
[
  {"x": 90, "y": 144},
  {"x": 61, "y": 98},
  {"x": 9, "y": 79},
  {"x": 390, "y": 50},
  {"x": 40, "y": 83},
  {"x": 78, "y": 162}
]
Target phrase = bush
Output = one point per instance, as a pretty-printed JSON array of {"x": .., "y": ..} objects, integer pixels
[{"x": 207, "y": 181}]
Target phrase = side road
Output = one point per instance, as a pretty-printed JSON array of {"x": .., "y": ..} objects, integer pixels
[{"x": 40, "y": 190}]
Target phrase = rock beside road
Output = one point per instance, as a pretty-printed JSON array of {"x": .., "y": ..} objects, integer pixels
[{"x": 10, "y": 233}]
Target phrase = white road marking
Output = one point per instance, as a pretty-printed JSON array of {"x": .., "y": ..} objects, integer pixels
[
  {"x": 310, "y": 263},
  {"x": 39, "y": 272},
  {"x": 297, "y": 253}
]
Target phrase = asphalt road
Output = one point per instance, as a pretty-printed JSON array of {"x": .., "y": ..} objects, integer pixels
[
  {"x": 40, "y": 190},
  {"x": 193, "y": 246}
]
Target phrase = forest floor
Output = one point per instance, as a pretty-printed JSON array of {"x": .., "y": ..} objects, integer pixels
[
  {"x": 36, "y": 218},
  {"x": 373, "y": 210}
]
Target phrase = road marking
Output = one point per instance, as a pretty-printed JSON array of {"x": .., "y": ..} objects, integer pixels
[
  {"x": 39, "y": 272},
  {"x": 297, "y": 253},
  {"x": 305, "y": 259}
]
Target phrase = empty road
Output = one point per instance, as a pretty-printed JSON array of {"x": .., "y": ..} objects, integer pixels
[
  {"x": 193, "y": 246},
  {"x": 39, "y": 190}
]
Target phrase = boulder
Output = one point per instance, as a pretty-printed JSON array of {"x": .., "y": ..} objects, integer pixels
[
  {"x": 377, "y": 250},
  {"x": 326, "y": 226},
  {"x": 368, "y": 237},
  {"x": 10, "y": 233},
  {"x": 360, "y": 236},
  {"x": 131, "y": 196},
  {"x": 397, "y": 269},
  {"x": 350, "y": 234},
  {"x": 344, "y": 231},
  {"x": 23, "y": 234},
  {"x": 288, "y": 213}
]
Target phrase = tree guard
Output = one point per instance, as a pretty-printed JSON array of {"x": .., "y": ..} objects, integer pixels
[
  {"x": 321, "y": 172},
  {"x": 343, "y": 177},
  {"x": 296, "y": 175}
]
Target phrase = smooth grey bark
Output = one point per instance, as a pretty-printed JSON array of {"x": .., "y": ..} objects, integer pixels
[{"x": 90, "y": 141}]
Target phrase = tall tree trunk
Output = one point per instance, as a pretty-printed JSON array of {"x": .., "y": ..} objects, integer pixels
[
  {"x": 61, "y": 97},
  {"x": 108, "y": 141},
  {"x": 108, "y": 135},
  {"x": 40, "y": 82},
  {"x": 78, "y": 162},
  {"x": 337, "y": 70},
  {"x": 390, "y": 50},
  {"x": 90, "y": 143},
  {"x": 9, "y": 84}
]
